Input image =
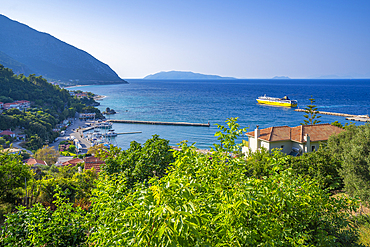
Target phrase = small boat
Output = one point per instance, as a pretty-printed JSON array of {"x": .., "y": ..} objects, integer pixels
[
  {"x": 285, "y": 101},
  {"x": 104, "y": 125},
  {"x": 110, "y": 133}
]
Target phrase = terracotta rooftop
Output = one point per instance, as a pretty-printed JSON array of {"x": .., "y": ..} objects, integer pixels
[
  {"x": 72, "y": 162},
  {"x": 6, "y": 132},
  {"x": 93, "y": 161},
  {"x": 317, "y": 132},
  {"x": 33, "y": 161}
]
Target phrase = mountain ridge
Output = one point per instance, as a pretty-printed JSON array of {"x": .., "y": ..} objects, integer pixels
[
  {"x": 50, "y": 57},
  {"x": 184, "y": 75}
]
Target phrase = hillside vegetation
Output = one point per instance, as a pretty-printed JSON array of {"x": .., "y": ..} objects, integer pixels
[{"x": 50, "y": 104}]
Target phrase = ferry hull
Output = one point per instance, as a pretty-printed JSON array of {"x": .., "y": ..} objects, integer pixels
[{"x": 276, "y": 103}]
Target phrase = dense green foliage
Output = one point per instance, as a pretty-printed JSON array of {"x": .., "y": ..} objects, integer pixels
[
  {"x": 39, "y": 226},
  {"x": 35, "y": 89},
  {"x": 319, "y": 165},
  {"x": 37, "y": 124},
  {"x": 47, "y": 154},
  {"x": 207, "y": 200},
  {"x": 139, "y": 163},
  {"x": 152, "y": 195},
  {"x": 12, "y": 177},
  {"x": 50, "y": 105},
  {"x": 76, "y": 186},
  {"x": 352, "y": 148}
]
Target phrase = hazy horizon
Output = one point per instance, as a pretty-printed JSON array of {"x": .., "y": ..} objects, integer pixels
[{"x": 241, "y": 39}]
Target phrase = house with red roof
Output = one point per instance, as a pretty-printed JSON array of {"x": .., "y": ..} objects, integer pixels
[
  {"x": 10, "y": 105},
  {"x": 93, "y": 162},
  {"x": 34, "y": 162},
  {"x": 291, "y": 140},
  {"x": 73, "y": 162},
  {"x": 7, "y": 133},
  {"x": 1, "y": 104},
  {"x": 23, "y": 104}
]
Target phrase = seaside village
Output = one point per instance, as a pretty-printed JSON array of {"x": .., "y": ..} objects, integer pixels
[
  {"x": 73, "y": 141},
  {"x": 71, "y": 145}
]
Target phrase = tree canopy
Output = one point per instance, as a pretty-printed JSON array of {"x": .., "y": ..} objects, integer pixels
[{"x": 47, "y": 154}]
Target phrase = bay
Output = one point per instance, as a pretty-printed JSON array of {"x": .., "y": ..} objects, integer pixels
[{"x": 213, "y": 101}]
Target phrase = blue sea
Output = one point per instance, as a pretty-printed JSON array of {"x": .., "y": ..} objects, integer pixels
[{"x": 213, "y": 101}]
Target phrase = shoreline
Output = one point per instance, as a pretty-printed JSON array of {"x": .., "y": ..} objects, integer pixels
[
  {"x": 75, "y": 86},
  {"x": 96, "y": 97},
  {"x": 99, "y": 97}
]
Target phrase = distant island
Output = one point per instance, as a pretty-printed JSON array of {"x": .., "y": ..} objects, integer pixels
[
  {"x": 280, "y": 77},
  {"x": 184, "y": 75},
  {"x": 27, "y": 51}
]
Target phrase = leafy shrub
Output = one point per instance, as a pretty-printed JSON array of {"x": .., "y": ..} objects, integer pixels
[
  {"x": 352, "y": 148},
  {"x": 321, "y": 166},
  {"x": 39, "y": 226},
  {"x": 209, "y": 201},
  {"x": 139, "y": 163}
]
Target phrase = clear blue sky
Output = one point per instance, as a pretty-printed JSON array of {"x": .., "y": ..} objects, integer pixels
[{"x": 243, "y": 39}]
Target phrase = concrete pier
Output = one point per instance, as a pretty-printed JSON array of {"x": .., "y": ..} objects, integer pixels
[
  {"x": 361, "y": 119},
  {"x": 330, "y": 113},
  {"x": 350, "y": 117},
  {"x": 128, "y": 133},
  {"x": 160, "y": 123}
]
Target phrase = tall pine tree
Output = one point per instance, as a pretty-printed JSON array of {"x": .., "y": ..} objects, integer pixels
[{"x": 311, "y": 116}]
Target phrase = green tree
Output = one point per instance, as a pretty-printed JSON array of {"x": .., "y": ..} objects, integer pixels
[
  {"x": 311, "y": 113},
  {"x": 207, "y": 200},
  {"x": 139, "y": 163},
  {"x": 75, "y": 185},
  {"x": 352, "y": 148},
  {"x": 336, "y": 123},
  {"x": 72, "y": 149},
  {"x": 228, "y": 135},
  {"x": 13, "y": 175},
  {"x": 95, "y": 149},
  {"x": 47, "y": 154},
  {"x": 40, "y": 226}
]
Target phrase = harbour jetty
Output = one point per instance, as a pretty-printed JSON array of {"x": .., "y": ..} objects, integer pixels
[
  {"x": 128, "y": 133},
  {"x": 160, "y": 123},
  {"x": 362, "y": 118}
]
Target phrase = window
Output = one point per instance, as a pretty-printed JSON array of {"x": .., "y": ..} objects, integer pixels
[{"x": 313, "y": 148}]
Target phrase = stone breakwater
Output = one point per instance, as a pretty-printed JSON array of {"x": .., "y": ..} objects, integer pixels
[
  {"x": 160, "y": 123},
  {"x": 351, "y": 117}
]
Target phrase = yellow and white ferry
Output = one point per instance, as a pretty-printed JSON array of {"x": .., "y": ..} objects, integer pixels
[{"x": 285, "y": 101}]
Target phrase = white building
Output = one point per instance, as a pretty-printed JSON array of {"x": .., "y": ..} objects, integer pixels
[{"x": 291, "y": 140}]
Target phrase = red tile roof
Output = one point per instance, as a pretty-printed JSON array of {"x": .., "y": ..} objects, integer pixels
[
  {"x": 93, "y": 161},
  {"x": 7, "y": 133},
  {"x": 72, "y": 162},
  {"x": 317, "y": 132},
  {"x": 33, "y": 161}
]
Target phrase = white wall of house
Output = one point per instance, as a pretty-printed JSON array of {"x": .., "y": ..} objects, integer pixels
[
  {"x": 314, "y": 144},
  {"x": 285, "y": 145}
]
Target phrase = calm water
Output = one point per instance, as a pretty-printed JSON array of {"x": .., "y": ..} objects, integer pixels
[{"x": 215, "y": 101}]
